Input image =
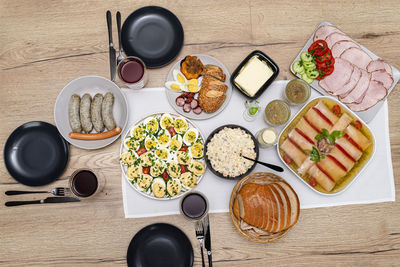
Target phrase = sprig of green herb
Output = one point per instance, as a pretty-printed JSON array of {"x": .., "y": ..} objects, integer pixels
[{"x": 331, "y": 137}]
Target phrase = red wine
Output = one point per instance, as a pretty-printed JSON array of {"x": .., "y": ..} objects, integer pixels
[
  {"x": 194, "y": 205},
  {"x": 132, "y": 71},
  {"x": 84, "y": 183}
]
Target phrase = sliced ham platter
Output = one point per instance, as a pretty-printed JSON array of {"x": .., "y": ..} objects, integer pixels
[{"x": 360, "y": 80}]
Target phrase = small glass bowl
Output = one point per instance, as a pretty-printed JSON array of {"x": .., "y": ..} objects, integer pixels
[{"x": 277, "y": 112}]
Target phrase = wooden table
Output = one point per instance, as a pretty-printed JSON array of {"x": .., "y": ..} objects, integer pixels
[{"x": 46, "y": 44}]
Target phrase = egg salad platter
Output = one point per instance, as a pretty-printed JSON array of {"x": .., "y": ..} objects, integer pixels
[
  {"x": 161, "y": 156},
  {"x": 183, "y": 89}
]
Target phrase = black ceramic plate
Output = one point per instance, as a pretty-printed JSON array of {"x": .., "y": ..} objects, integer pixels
[
  {"x": 160, "y": 245},
  {"x": 154, "y": 34},
  {"x": 36, "y": 154},
  {"x": 233, "y": 126},
  {"x": 274, "y": 67}
]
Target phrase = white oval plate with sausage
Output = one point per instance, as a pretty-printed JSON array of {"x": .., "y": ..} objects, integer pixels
[
  {"x": 171, "y": 96},
  {"x": 90, "y": 85}
]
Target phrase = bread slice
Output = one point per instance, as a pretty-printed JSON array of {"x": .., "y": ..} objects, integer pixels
[
  {"x": 294, "y": 202},
  {"x": 271, "y": 205},
  {"x": 281, "y": 210},
  {"x": 286, "y": 204}
]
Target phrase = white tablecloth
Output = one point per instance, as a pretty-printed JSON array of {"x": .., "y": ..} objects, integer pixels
[{"x": 375, "y": 184}]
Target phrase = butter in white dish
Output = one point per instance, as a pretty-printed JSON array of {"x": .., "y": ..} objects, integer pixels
[{"x": 253, "y": 75}]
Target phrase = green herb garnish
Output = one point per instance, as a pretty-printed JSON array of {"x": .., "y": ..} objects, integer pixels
[{"x": 331, "y": 137}]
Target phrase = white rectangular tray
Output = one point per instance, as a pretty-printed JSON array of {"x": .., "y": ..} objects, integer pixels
[{"x": 366, "y": 115}]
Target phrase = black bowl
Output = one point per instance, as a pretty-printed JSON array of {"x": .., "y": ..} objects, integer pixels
[
  {"x": 233, "y": 126},
  {"x": 274, "y": 67}
]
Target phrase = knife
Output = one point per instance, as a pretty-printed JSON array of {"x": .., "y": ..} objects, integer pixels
[
  {"x": 42, "y": 201},
  {"x": 207, "y": 242},
  {"x": 113, "y": 60}
]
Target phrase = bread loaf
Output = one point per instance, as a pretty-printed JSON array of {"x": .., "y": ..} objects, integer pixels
[{"x": 271, "y": 207}]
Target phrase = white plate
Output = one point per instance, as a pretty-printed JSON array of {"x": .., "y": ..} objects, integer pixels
[
  {"x": 124, "y": 168},
  {"x": 91, "y": 85},
  {"x": 368, "y": 114},
  {"x": 171, "y": 96}
]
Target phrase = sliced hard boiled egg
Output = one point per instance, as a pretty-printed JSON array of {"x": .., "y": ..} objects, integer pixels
[
  {"x": 164, "y": 138},
  {"x": 192, "y": 86},
  {"x": 158, "y": 187},
  {"x": 173, "y": 169},
  {"x": 166, "y": 121},
  {"x": 131, "y": 144},
  {"x": 150, "y": 143},
  {"x": 183, "y": 157},
  {"x": 134, "y": 171},
  {"x": 144, "y": 181},
  {"x": 174, "y": 187},
  {"x": 196, "y": 167},
  {"x": 190, "y": 136},
  {"x": 162, "y": 153},
  {"x": 174, "y": 86},
  {"x": 197, "y": 150},
  {"x": 179, "y": 77},
  {"x": 180, "y": 125},
  {"x": 157, "y": 169},
  {"x": 147, "y": 159},
  {"x": 127, "y": 158},
  {"x": 188, "y": 179},
  {"x": 151, "y": 125},
  {"x": 138, "y": 132},
  {"x": 175, "y": 143}
]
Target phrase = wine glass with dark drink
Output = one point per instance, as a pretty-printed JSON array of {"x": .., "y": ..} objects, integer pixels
[
  {"x": 85, "y": 183},
  {"x": 194, "y": 206}
]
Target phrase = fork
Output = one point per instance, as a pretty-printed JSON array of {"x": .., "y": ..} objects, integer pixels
[
  {"x": 120, "y": 56},
  {"x": 200, "y": 236},
  {"x": 58, "y": 191}
]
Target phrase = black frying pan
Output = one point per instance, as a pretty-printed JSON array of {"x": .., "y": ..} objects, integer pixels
[
  {"x": 160, "y": 244},
  {"x": 154, "y": 34},
  {"x": 36, "y": 154}
]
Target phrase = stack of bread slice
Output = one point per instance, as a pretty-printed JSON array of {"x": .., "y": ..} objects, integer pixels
[{"x": 266, "y": 208}]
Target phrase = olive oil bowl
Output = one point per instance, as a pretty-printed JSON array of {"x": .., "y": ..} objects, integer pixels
[{"x": 367, "y": 155}]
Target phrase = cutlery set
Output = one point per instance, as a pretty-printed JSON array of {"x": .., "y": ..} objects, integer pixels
[
  {"x": 202, "y": 230},
  {"x": 62, "y": 194},
  {"x": 114, "y": 61}
]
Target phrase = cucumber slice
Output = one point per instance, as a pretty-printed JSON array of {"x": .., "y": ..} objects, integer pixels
[
  {"x": 312, "y": 74},
  {"x": 309, "y": 65},
  {"x": 306, "y": 79},
  {"x": 306, "y": 57},
  {"x": 297, "y": 67}
]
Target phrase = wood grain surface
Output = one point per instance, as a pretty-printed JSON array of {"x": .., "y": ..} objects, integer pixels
[{"x": 46, "y": 44}]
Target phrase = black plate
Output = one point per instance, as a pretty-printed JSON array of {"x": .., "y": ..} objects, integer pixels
[
  {"x": 160, "y": 245},
  {"x": 36, "y": 154},
  {"x": 154, "y": 34},
  {"x": 274, "y": 67},
  {"x": 233, "y": 126}
]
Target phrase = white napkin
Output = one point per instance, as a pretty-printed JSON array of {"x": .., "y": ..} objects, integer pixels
[{"x": 375, "y": 184}]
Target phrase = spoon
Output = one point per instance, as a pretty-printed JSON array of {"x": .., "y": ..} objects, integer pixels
[
  {"x": 120, "y": 56},
  {"x": 271, "y": 166}
]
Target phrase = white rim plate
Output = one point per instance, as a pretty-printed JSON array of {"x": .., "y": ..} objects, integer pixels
[
  {"x": 91, "y": 85},
  {"x": 123, "y": 150},
  {"x": 171, "y": 96}
]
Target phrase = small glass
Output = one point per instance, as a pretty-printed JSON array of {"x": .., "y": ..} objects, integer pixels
[
  {"x": 194, "y": 206},
  {"x": 132, "y": 72},
  {"x": 297, "y": 92},
  {"x": 267, "y": 137},
  {"x": 252, "y": 110},
  {"x": 85, "y": 183},
  {"x": 277, "y": 112}
]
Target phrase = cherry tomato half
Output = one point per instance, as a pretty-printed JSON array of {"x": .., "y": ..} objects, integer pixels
[
  {"x": 312, "y": 181},
  {"x": 146, "y": 170},
  {"x": 358, "y": 125},
  {"x": 141, "y": 151},
  {"x": 336, "y": 110}
]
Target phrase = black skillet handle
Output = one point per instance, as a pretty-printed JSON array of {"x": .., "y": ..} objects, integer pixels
[
  {"x": 19, "y": 203},
  {"x": 16, "y": 192}
]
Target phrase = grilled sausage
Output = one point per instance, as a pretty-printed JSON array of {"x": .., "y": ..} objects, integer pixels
[
  {"x": 95, "y": 112},
  {"x": 84, "y": 112},
  {"x": 73, "y": 113},
  {"x": 95, "y": 136},
  {"x": 107, "y": 111}
]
